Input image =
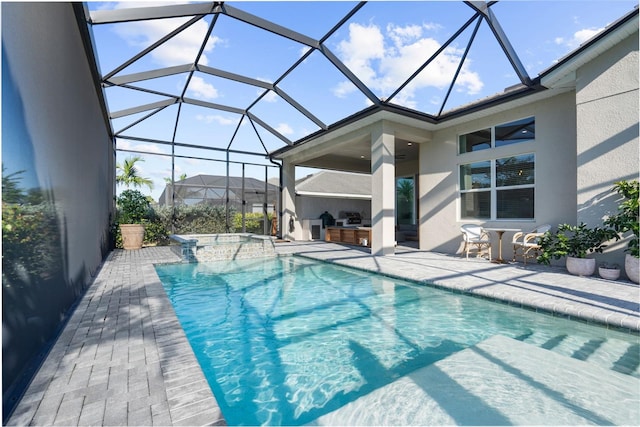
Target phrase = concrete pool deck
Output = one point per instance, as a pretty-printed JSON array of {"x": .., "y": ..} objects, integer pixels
[{"x": 123, "y": 359}]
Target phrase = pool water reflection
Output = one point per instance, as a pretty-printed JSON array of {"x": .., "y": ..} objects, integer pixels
[{"x": 285, "y": 341}]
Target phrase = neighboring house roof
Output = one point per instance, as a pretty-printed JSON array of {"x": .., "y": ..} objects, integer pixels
[
  {"x": 335, "y": 184},
  {"x": 251, "y": 185},
  {"x": 220, "y": 181}
]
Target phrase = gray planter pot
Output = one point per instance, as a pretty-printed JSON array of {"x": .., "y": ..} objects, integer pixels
[
  {"x": 581, "y": 266},
  {"x": 609, "y": 273},
  {"x": 632, "y": 268}
]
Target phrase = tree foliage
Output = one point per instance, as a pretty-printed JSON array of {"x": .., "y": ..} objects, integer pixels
[
  {"x": 129, "y": 176},
  {"x": 574, "y": 241},
  {"x": 627, "y": 217}
]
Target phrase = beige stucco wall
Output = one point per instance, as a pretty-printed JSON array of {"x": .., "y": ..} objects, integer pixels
[
  {"x": 554, "y": 148},
  {"x": 585, "y": 141},
  {"x": 607, "y": 129}
]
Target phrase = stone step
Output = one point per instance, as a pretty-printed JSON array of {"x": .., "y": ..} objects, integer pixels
[
  {"x": 500, "y": 381},
  {"x": 609, "y": 352}
]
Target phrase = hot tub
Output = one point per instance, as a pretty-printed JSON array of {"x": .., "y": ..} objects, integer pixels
[{"x": 219, "y": 247}]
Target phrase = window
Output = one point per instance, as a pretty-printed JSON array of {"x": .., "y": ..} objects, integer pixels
[
  {"x": 506, "y": 134},
  {"x": 498, "y": 189},
  {"x": 515, "y": 132},
  {"x": 475, "y": 141},
  {"x": 515, "y": 187}
]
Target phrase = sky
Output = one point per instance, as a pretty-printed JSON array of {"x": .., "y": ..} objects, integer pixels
[{"x": 382, "y": 44}]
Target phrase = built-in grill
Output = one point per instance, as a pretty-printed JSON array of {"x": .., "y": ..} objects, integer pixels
[{"x": 352, "y": 217}]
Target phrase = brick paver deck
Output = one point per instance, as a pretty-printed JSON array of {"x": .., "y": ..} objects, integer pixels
[{"x": 123, "y": 359}]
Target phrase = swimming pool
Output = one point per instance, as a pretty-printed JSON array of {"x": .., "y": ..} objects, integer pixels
[{"x": 287, "y": 341}]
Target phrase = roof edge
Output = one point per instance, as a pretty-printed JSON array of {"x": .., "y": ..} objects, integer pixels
[
  {"x": 578, "y": 57},
  {"x": 509, "y": 95}
]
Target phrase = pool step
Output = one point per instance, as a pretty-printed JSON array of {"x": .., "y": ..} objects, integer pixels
[
  {"x": 500, "y": 381},
  {"x": 611, "y": 353}
]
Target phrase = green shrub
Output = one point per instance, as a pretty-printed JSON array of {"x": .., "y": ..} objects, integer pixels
[
  {"x": 627, "y": 217},
  {"x": 132, "y": 207},
  {"x": 574, "y": 241},
  {"x": 196, "y": 219},
  {"x": 155, "y": 233},
  {"x": 253, "y": 222}
]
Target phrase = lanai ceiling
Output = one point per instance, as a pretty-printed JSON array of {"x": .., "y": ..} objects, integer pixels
[{"x": 243, "y": 79}]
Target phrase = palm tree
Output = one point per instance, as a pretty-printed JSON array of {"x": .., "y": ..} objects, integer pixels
[
  {"x": 405, "y": 190},
  {"x": 128, "y": 173},
  {"x": 11, "y": 191},
  {"x": 182, "y": 178}
]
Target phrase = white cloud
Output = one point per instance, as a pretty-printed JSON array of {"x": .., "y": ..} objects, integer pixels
[
  {"x": 578, "y": 38},
  {"x": 210, "y": 118},
  {"x": 192, "y": 161},
  {"x": 271, "y": 96},
  {"x": 385, "y": 66},
  {"x": 181, "y": 49},
  {"x": 365, "y": 44},
  {"x": 342, "y": 89},
  {"x": 125, "y": 144},
  {"x": 304, "y": 50},
  {"x": 150, "y": 148},
  {"x": 584, "y": 35},
  {"x": 284, "y": 129},
  {"x": 198, "y": 87},
  {"x": 404, "y": 35}
]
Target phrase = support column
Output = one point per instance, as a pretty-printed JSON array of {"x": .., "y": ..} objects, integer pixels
[
  {"x": 383, "y": 186},
  {"x": 288, "y": 171}
]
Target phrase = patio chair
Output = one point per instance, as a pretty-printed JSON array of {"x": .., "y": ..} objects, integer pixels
[
  {"x": 527, "y": 245},
  {"x": 475, "y": 238}
]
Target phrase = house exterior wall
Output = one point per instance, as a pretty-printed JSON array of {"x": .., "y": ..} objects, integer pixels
[
  {"x": 54, "y": 132},
  {"x": 607, "y": 129},
  {"x": 554, "y": 149},
  {"x": 586, "y": 140}
]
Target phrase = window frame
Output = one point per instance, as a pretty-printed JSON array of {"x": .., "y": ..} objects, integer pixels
[
  {"x": 492, "y": 155},
  {"x": 492, "y": 129}
]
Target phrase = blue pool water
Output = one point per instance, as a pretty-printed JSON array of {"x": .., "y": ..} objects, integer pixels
[{"x": 283, "y": 341}]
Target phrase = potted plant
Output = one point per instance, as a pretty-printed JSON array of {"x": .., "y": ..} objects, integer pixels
[
  {"x": 627, "y": 220},
  {"x": 132, "y": 208},
  {"x": 609, "y": 271},
  {"x": 575, "y": 243}
]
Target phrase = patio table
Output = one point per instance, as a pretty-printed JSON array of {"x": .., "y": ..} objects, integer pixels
[{"x": 500, "y": 232}]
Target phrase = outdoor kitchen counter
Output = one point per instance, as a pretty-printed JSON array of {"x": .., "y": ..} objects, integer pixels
[{"x": 352, "y": 235}]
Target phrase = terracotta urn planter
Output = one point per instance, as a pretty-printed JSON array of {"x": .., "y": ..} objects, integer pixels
[
  {"x": 581, "y": 266},
  {"x": 632, "y": 268},
  {"x": 132, "y": 235}
]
